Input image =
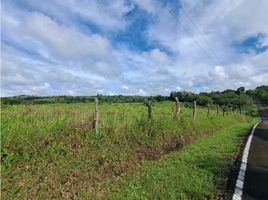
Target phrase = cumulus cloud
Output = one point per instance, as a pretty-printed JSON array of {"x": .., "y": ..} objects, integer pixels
[
  {"x": 219, "y": 73},
  {"x": 63, "y": 41},
  {"x": 158, "y": 57},
  {"x": 142, "y": 92},
  {"x": 125, "y": 87},
  {"x": 148, "y": 5},
  {"x": 65, "y": 47},
  {"x": 105, "y": 14}
]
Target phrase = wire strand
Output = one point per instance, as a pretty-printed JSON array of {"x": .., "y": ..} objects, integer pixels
[
  {"x": 195, "y": 27},
  {"x": 188, "y": 32}
]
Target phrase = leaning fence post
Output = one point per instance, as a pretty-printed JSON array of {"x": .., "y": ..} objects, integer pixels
[
  {"x": 208, "y": 114},
  {"x": 177, "y": 112},
  {"x": 149, "y": 106},
  {"x": 97, "y": 115},
  {"x": 194, "y": 109}
]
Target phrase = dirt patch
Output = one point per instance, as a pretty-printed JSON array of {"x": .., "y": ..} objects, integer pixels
[
  {"x": 177, "y": 142},
  {"x": 148, "y": 153}
]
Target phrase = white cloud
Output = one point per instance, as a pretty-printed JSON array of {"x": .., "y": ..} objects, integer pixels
[
  {"x": 65, "y": 47},
  {"x": 125, "y": 87},
  {"x": 41, "y": 88},
  {"x": 148, "y": 5},
  {"x": 178, "y": 88},
  {"x": 62, "y": 41},
  {"x": 142, "y": 92},
  {"x": 242, "y": 71},
  {"x": 236, "y": 76},
  {"x": 101, "y": 91},
  {"x": 106, "y": 14},
  {"x": 219, "y": 73},
  {"x": 159, "y": 57}
]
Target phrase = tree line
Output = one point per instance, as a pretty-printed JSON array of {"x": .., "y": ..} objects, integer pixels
[{"x": 231, "y": 98}]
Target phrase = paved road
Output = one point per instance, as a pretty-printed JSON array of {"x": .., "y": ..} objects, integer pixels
[{"x": 256, "y": 179}]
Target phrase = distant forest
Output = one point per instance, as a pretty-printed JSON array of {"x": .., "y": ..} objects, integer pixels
[{"x": 233, "y": 98}]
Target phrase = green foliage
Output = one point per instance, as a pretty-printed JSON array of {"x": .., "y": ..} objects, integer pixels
[
  {"x": 240, "y": 90},
  {"x": 262, "y": 93},
  {"x": 230, "y": 98},
  {"x": 184, "y": 96},
  {"x": 204, "y": 100}
]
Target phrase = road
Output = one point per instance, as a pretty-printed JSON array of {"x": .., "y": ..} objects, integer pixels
[{"x": 256, "y": 179}]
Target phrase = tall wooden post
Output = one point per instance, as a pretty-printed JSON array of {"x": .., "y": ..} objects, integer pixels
[
  {"x": 194, "y": 109},
  {"x": 208, "y": 114},
  {"x": 218, "y": 109},
  {"x": 97, "y": 115},
  {"x": 150, "y": 112},
  {"x": 177, "y": 112}
]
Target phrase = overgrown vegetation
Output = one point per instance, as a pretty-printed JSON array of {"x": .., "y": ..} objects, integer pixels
[
  {"x": 260, "y": 93},
  {"x": 52, "y": 151}
]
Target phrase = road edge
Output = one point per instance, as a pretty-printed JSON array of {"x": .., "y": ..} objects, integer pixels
[{"x": 238, "y": 191}]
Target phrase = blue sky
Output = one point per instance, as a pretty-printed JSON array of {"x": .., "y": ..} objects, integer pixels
[{"x": 143, "y": 47}]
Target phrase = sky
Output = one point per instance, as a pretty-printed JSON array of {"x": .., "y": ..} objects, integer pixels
[{"x": 132, "y": 47}]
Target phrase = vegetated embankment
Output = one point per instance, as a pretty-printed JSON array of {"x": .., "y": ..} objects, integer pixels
[{"x": 52, "y": 151}]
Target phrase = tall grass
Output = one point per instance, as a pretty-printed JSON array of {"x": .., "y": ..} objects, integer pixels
[{"x": 52, "y": 151}]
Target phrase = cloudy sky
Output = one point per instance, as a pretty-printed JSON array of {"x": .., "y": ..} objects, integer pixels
[{"x": 144, "y": 47}]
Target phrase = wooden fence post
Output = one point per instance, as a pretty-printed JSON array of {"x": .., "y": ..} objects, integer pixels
[
  {"x": 194, "y": 109},
  {"x": 208, "y": 114},
  {"x": 177, "y": 112},
  {"x": 97, "y": 115},
  {"x": 218, "y": 108},
  {"x": 150, "y": 112}
]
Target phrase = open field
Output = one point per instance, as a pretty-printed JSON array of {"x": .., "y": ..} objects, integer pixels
[
  {"x": 133, "y": 100},
  {"x": 52, "y": 151}
]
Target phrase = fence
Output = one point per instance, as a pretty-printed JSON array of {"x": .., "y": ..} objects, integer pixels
[{"x": 226, "y": 110}]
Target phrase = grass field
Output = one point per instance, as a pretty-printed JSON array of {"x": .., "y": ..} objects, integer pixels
[
  {"x": 52, "y": 151},
  {"x": 198, "y": 171}
]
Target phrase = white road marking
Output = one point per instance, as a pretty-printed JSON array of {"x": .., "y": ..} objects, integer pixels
[{"x": 243, "y": 167}]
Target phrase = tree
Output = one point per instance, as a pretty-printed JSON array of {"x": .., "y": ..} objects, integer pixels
[
  {"x": 204, "y": 100},
  {"x": 240, "y": 90}
]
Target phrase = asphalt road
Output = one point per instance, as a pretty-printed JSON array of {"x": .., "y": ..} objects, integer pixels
[{"x": 256, "y": 179}]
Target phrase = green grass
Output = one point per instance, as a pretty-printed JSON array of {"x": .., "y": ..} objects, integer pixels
[
  {"x": 193, "y": 173},
  {"x": 52, "y": 151}
]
